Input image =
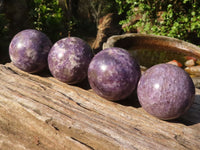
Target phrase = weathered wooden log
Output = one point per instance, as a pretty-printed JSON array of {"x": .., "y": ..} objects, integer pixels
[{"x": 39, "y": 112}]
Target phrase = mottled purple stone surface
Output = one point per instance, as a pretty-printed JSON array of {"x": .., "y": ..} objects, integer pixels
[
  {"x": 29, "y": 50},
  {"x": 113, "y": 74},
  {"x": 165, "y": 91},
  {"x": 69, "y": 59}
]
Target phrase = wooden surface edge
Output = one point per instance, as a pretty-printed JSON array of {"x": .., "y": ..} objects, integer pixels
[{"x": 39, "y": 112}]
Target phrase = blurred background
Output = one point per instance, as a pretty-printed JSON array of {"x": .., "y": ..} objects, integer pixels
[{"x": 96, "y": 20}]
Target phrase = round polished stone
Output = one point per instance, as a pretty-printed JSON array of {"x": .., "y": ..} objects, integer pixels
[
  {"x": 113, "y": 74},
  {"x": 29, "y": 50},
  {"x": 165, "y": 91},
  {"x": 69, "y": 59}
]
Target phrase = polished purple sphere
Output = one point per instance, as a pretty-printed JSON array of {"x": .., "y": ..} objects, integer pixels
[
  {"x": 165, "y": 91},
  {"x": 29, "y": 50},
  {"x": 69, "y": 59},
  {"x": 113, "y": 74}
]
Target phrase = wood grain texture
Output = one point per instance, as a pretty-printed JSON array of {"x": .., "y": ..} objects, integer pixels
[{"x": 39, "y": 112}]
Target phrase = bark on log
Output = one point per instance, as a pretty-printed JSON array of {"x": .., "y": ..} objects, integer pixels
[{"x": 39, "y": 112}]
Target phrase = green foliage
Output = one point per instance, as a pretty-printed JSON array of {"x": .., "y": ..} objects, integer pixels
[
  {"x": 173, "y": 18},
  {"x": 108, "y": 6},
  {"x": 48, "y": 17}
]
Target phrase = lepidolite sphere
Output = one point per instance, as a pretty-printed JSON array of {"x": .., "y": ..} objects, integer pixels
[
  {"x": 165, "y": 91},
  {"x": 69, "y": 59},
  {"x": 29, "y": 50},
  {"x": 113, "y": 74}
]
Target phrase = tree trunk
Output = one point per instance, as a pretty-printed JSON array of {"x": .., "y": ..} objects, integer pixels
[{"x": 39, "y": 112}]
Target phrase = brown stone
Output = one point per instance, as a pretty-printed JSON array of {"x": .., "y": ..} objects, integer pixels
[
  {"x": 175, "y": 62},
  {"x": 194, "y": 70},
  {"x": 190, "y": 63}
]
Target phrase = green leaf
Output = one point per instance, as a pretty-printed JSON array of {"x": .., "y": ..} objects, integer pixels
[
  {"x": 185, "y": 1},
  {"x": 43, "y": 8},
  {"x": 169, "y": 6},
  {"x": 193, "y": 13}
]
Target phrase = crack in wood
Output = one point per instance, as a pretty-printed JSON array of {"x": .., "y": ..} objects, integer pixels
[
  {"x": 79, "y": 104},
  {"x": 55, "y": 127},
  {"x": 181, "y": 141},
  {"x": 90, "y": 147}
]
